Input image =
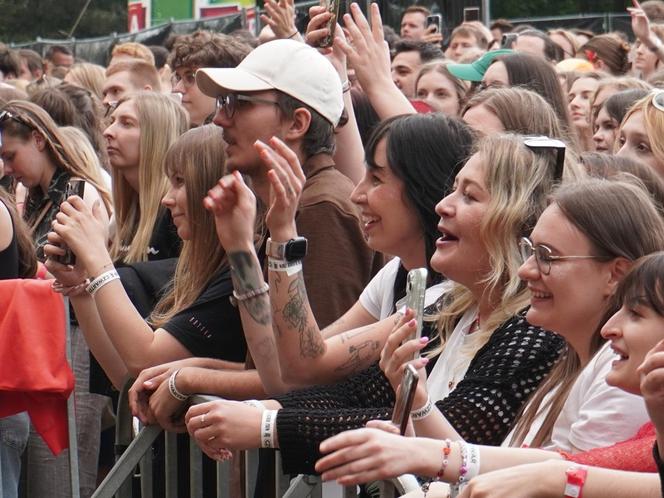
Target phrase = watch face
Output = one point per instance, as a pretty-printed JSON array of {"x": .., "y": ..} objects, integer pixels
[{"x": 296, "y": 249}]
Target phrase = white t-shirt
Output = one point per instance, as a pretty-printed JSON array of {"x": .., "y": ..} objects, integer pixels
[
  {"x": 596, "y": 414},
  {"x": 378, "y": 296}
]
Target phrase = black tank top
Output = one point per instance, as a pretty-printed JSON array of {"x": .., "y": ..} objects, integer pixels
[{"x": 9, "y": 258}]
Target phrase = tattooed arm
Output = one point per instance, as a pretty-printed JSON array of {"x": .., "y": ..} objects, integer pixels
[{"x": 256, "y": 318}]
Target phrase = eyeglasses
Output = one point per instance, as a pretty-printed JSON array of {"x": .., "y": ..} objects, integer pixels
[
  {"x": 188, "y": 80},
  {"x": 536, "y": 143},
  {"x": 658, "y": 99},
  {"x": 543, "y": 255},
  {"x": 230, "y": 102}
]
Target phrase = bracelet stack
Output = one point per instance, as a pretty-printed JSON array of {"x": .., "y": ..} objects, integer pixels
[
  {"x": 102, "y": 280},
  {"x": 281, "y": 265},
  {"x": 470, "y": 467},
  {"x": 268, "y": 423},
  {"x": 172, "y": 388},
  {"x": 423, "y": 412}
]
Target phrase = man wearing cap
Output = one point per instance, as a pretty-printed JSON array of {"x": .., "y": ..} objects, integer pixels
[{"x": 289, "y": 90}]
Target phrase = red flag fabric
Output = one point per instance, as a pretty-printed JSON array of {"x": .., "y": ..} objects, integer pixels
[{"x": 34, "y": 373}]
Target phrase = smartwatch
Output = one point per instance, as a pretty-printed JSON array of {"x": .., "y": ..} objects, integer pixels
[
  {"x": 292, "y": 250},
  {"x": 576, "y": 477}
]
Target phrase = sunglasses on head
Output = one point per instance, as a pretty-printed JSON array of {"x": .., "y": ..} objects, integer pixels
[
  {"x": 536, "y": 143},
  {"x": 658, "y": 99}
]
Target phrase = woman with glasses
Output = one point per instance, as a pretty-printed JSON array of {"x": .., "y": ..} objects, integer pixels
[
  {"x": 641, "y": 130},
  {"x": 634, "y": 332},
  {"x": 37, "y": 155},
  {"x": 479, "y": 380},
  {"x": 582, "y": 248}
]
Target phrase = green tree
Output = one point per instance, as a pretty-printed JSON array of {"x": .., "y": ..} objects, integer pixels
[{"x": 25, "y": 20}]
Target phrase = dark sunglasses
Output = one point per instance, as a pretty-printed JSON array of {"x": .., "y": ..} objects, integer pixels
[{"x": 536, "y": 143}]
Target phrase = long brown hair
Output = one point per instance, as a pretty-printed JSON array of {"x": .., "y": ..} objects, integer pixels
[
  {"x": 27, "y": 258},
  {"x": 620, "y": 221},
  {"x": 198, "y": 155}
]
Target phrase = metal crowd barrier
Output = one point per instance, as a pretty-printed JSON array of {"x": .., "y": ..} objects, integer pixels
[{"x": 119, "y": 481}]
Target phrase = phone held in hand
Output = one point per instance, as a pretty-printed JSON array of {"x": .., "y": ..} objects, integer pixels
[
  {"x": 437, "y": 21},
  {"x": 471, "y": 14},
  {"x": 404, "y": 402},
  {"x": 74, "y": 187},
  {"x": 332, "y": 7},
  {"x": 416, "y": 286}
]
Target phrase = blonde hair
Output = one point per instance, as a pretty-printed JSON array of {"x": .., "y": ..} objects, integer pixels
[
  {"x": 162, "y": 121},
  {"x": 134, "y": 50},
  {"x": 62, "y": 151},
  {"x": 198, "y": 155},
  {"x": 653, "y": 120},
  {"x": 88, "y": 76},
  {"x": 519, "y": 182}
]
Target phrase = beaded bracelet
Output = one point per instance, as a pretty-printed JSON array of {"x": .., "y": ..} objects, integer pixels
[{"x": 447, "y": 449}]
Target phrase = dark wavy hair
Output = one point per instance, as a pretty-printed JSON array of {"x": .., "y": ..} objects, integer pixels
[{"x": 425, "y": 151}]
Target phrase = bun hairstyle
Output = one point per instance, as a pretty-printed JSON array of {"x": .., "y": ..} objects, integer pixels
[{"x": 610, "y": 49}]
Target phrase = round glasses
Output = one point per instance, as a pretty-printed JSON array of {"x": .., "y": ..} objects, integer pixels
[
  {"x": 543, "y": 255},
  {"x": 188, "y": 79}
]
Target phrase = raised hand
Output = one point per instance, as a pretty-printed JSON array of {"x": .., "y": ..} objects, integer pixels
[
  {"x": 398, "y": 351},
  {"x": 84, "y": 232},
  {"x": 286, "y": 183},
  {"x": 280, "y": 17},
  {"x": 233, "y": 205}
]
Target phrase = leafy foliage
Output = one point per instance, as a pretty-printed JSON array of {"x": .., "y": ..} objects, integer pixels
[{"x": 25, "y": 20}]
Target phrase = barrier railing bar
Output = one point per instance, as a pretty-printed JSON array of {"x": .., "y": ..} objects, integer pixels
[
  {"x": 147, "y": 483},
  {"x": 126, "y": 463},
  {"x": 71, "y": 413},
  {"x": 171, "y": 465},
  {"x": 195, "y": 470},
  {"x": 223, "y": 479}
]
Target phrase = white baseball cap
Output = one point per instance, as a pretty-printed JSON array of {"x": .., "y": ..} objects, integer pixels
[{"x": 291, "y": 67}]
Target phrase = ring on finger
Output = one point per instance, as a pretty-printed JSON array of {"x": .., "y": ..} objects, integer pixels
[{"x": 203, "y": 420}]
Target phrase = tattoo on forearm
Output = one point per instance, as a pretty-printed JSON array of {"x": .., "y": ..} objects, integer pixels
[
  {"x": 360, "y": 355},
  {"x": 247, "y": 276},
  {"x": 295, "y": 315},
  {"x": 265, "y": 348}
]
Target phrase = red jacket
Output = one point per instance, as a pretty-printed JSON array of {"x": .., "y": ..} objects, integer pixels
[{"x": 34, "y": 373}]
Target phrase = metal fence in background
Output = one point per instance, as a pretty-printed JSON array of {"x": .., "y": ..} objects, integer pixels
[{"x": 98, "y": 50}]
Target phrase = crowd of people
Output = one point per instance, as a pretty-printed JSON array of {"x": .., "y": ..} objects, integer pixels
[{"x": 251, "y": 208}]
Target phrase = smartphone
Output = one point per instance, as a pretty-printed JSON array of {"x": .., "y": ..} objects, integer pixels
[
  {"x": 404, "y": 402},
  {"x": 435, "y": 20},
  {"x": 471, "y": 14},
  {"x": 332, "y": 6},
  {"x": 74, "y": 187},
  {"x": 416, "y": 285}
]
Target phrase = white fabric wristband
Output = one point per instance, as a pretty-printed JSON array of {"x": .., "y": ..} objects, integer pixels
[
  {"x": 102, "y": 280},
  {"x": 268, "y": 422},
  {"x": 290, "y": 267},
  {"x": 423, "y": 412}
]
